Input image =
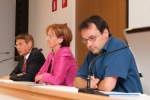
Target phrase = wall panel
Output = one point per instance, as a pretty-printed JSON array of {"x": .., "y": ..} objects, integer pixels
[{"x": 113, "y": 11}]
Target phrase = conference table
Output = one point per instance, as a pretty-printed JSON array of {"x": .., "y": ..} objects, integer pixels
[{"x": 31, "y": 91}]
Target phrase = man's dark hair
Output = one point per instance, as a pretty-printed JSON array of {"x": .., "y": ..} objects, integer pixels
[{"x": 100, "y": 23}]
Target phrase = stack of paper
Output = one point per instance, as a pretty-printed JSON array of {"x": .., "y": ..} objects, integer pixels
[
  {"x": 7, "y": 81},
  {"x": 60, "y": 87}
]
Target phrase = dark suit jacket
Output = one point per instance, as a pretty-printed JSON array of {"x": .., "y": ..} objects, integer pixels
[{"x": 34, "y": 62}]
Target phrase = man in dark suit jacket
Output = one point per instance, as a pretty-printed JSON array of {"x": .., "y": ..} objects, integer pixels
[{"x": 26, "y": 69}]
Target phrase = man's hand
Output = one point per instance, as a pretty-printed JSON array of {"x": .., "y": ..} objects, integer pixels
[
  {"x": 94, "y": 82},
  {"x": 5, "y": 78},
  {"x": 20, "y": 74}
]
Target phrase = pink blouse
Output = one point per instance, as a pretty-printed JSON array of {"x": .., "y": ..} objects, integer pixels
[{"x": 63, "y": 69}]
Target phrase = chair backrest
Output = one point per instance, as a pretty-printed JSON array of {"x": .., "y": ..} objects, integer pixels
[{"x": 139, "y": 41}]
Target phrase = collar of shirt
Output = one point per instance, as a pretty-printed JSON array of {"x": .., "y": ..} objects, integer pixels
[{"x": 27, "y": 56}]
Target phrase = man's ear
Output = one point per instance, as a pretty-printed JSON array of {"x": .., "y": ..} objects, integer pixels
[
  {"x": 105, "y": 32},
  {"x": 30, "y": 44}
]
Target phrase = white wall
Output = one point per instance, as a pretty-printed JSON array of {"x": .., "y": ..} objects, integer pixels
[
  {"x": 41, "y": 15},
  {"x": 139, "y": 13},
  {"x": 7, "y": 35}
]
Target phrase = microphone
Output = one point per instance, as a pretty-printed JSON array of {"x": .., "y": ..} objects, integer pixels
[
  {"x": 19, "y": 55},
  {"x": 39, "y": 49},
  {"x": 88, "y": 89},
  {"x": 4, "y": 53}
]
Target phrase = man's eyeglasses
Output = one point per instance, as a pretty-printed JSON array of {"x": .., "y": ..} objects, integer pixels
[{"x": 90, "y": 38}]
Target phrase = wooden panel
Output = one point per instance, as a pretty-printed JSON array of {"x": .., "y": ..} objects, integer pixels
[
  {"x": 109, "y": 11},
  {"x": 122, "y": 18},
  {"x": 113, "y": 11},
  {"x": 83, "y": 10}
]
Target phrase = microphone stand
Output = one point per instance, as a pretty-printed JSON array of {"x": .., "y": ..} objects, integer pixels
[
  {"x": 19, "y": 55},
  {"x": 88, "y": 89},
  {"x": 9, "y": 58}
]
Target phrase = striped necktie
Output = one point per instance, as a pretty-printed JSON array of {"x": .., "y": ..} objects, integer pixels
[{"x": 24, "y": 66}]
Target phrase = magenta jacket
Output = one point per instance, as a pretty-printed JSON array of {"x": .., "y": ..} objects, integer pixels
[{"x": 63, "y": 70}]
